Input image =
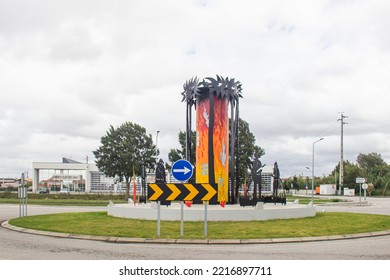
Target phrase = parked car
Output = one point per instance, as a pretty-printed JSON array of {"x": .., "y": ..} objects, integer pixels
[{"x": 44, "y": 190}]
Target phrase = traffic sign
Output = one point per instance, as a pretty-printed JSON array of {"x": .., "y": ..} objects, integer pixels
[
  {"x": 365, "y": 186},
  {"x": 182, "y": 192},
  {"x": 360, "y": 180},
  {"x": 182, "y": 170}
]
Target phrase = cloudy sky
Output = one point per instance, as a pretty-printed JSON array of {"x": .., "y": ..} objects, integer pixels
[{"x": 71, "y": 68}]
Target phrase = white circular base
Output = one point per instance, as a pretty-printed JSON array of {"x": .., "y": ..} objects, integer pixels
[{"x": 261, "y": 212}]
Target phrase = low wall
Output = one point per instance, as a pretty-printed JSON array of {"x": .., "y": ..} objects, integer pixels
[{"x": 261, "y": 212}]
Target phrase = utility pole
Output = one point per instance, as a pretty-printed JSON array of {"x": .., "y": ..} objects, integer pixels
[{"x": 341, "y": 119}]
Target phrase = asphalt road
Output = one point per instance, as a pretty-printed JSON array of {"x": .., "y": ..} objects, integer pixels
[{"x": 23, "y": 246}]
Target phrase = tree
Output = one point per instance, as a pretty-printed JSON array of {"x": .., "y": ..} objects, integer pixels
[
  {"x": 124, "y": 149},
  {"x": 247, "y": 149},
  {"x": 374, "y": 168},
  {"x": 176, "y": 154},
  {"x": 370, "y": 161}
]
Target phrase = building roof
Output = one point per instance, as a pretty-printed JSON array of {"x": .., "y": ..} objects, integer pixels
[{"x": 68, "y": 160}]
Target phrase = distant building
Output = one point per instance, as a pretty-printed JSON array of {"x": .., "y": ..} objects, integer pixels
[
  {"x": 9, "y": 182},
  {"x": 267, "y": 180},
  {"x": 71, "y": 176},
  {"x": 13, "y": 182}
]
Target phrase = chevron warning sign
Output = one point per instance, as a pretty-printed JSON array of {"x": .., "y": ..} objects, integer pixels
[{"x": 182, "y": 192}]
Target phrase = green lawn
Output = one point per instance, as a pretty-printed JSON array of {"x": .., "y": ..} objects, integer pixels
[{"x": 99, "y": 223}]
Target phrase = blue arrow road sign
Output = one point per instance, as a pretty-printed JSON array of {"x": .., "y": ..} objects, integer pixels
[{"x": 182, "y": 170}]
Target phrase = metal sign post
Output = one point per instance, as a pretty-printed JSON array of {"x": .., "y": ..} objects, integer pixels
[
  {"x": 22, "y": 194},
  {"x": 360, "y": 181},
  {"x": 182, "y": 218},
  {"x": 364, "y": 187},
  {"x": 205, "y": 218},
  {"x": 182, "y": 170},
  {"x": 158, "y": 217}
]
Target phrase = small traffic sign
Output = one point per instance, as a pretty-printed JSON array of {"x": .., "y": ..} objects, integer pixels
[
  {"x": 360, "y": 180},
  {"x": 365, "y": 186},
  {"x": 182, "y": 170}
]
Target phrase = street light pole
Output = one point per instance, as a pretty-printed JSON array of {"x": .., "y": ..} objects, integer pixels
[
  {"x": 312, "y": 172},
  {"x": 158, "y": 131}
]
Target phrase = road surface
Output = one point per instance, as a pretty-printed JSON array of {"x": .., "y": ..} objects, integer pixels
[{"x": 23, "y": 246}]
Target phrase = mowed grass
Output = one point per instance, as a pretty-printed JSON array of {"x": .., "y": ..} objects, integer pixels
[
  {"x": 60, "y": 202},
  {"x": 99, "y": 223}
]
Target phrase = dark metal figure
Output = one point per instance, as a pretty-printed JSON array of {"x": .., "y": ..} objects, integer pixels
[
  {"x": 276, "y": 176},
  {"x": 160, "y": 172},
  {"x": 256, "y": 176}
]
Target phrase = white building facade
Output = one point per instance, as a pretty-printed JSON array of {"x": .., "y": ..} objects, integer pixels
[{"x": 71, "y": 176}]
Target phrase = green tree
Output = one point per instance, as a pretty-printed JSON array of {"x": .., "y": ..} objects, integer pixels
[
  {"x": 375, "y": 169},
  {"x": 176, "y": 154},
  {"x": 247, "y": 149},
  {"x": 124, "y": 149},
  {"x": 370, "y": 161},
  {"x": 351, "y": 172}
]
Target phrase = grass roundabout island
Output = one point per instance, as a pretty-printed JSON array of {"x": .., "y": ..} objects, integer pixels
[{"x": 101, "y": 224}]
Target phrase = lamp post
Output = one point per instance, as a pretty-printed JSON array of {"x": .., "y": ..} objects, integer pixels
[
  {"x": 312, "y": 171},
  {"x": 308, "y": 168},
  {"x": 158, "y": 131}
]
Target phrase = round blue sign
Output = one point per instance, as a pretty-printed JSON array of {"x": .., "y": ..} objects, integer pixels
[{"x": 182, "y": 170}]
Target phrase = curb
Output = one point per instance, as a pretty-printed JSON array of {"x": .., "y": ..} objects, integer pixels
[{"x": 113, "y": 239}]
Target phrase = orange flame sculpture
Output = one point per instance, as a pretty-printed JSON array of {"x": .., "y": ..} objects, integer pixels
[{"x": 212, "y": 97}]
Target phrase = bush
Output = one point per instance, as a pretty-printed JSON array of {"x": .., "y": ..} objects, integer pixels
[{"x": 8, "y": 194}]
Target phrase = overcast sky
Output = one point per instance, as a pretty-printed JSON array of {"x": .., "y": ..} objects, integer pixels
[{"x": 70, "y": 69}]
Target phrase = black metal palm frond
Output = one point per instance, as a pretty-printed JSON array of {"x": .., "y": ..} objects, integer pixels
[
  {"x": 213, "y": 84},
  {"x": 223, "y": 86},
  {"x": 190, "y": 90},
  {"x": 231, "y": 89},
  {"x": 220, "y": 87},
  {"x": 203, "y": 91}
]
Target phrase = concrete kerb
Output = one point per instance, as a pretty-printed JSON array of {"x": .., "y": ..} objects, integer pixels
[{"x": 113, "y": 239}]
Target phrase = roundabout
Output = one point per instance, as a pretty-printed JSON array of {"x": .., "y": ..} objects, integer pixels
[{"x": 352, "y": 245}]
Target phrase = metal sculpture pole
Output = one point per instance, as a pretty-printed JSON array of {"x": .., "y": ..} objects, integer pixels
[
  {"x": 232, "y": 157},
  {"x": 189, "y": 95},
  {"x": 237, "y": 152},
  {"x": 211, "y": 98}
]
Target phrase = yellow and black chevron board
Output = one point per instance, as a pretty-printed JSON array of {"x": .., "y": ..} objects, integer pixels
[{"x": 182, "y": 192}]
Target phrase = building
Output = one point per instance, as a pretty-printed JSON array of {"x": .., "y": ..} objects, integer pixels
[
  {"x": 71, "y": 176},
  {"x": 267, "y": 180}
]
